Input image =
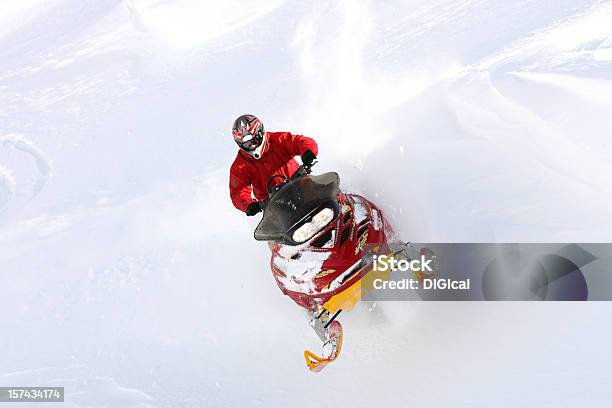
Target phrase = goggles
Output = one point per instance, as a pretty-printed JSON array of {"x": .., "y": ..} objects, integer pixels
[{"x": 250, "y": 142}]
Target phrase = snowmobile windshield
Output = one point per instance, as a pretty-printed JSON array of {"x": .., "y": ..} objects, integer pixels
[{"x": 299, "y": 209}]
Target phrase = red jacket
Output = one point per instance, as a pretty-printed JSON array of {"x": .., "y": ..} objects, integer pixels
[{"x": 249, "y": 175}]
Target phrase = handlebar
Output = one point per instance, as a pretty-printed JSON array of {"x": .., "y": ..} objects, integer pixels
[{"x": 301, "y": 171}]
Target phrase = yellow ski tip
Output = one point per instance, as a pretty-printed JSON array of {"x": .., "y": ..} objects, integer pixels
[{"x": 314, "y": 362}]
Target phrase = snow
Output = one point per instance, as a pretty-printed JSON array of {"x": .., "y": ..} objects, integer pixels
[
  {"x": 361, "y": 210},
  {"x": 7, "y": 187},
  {"x": 43, "y": 165},
  {"x": 299, "y": 272},
  {"x": 129, "y": 278}
]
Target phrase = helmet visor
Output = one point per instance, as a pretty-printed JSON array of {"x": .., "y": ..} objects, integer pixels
[{"x": 250, "y": 142}]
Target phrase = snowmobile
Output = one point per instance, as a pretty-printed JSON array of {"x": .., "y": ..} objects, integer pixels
[{"x": 322, "y": 242}]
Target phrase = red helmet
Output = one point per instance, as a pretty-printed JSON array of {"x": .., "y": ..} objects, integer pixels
[{"x": 249, "y": 134}]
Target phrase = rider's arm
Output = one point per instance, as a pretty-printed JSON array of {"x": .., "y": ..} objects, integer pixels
[
  {"x": 240, "y": 188},
  {"x": 298, "y": 144}
]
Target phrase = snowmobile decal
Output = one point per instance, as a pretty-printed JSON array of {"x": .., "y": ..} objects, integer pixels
[
  {"x": 361, "y": 243},
  {"x": 324, "y": 273}
]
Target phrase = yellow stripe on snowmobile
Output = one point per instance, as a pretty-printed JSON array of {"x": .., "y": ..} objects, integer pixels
[{"x": 348, "y": 298}]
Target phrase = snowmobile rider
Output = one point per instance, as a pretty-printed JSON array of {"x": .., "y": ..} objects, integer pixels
[{"x": 263, "y": 155}]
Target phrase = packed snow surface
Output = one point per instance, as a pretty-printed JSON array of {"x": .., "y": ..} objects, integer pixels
[{"x": 128, "y": 277}]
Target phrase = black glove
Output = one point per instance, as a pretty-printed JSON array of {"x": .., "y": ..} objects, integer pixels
[
  {"x": 308, "y": 157},
  {"x": 253, "y": 209}
]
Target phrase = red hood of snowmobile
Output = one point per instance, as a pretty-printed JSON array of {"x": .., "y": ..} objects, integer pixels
[{"x": 333, "y": 260}]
